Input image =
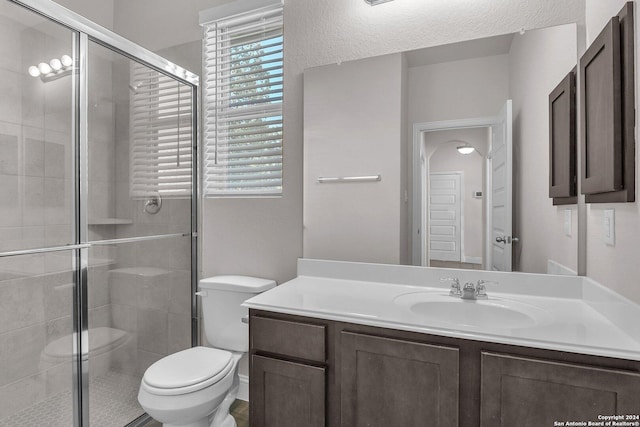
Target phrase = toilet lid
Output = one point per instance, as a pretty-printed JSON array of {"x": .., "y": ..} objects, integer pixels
[{"x": 187, "y": 367}]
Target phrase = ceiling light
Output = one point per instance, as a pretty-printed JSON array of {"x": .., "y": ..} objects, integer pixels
[
  {"x": 375, "y": 2},
  {"x": 465, "y": 149}
]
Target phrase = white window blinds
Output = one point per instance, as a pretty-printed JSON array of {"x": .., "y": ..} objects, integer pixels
[
  {"x": 243, "y": 69},
  {"x": 160, "y": 130}
]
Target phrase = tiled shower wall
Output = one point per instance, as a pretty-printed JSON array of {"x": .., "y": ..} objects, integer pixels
[{"x": 35, "y": 140}]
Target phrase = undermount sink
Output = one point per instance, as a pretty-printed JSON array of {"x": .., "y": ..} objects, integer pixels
[{"x": 492, "y": 313}]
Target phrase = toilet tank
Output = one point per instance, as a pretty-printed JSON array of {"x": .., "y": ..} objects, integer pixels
[{"x": 222, "y": 312}]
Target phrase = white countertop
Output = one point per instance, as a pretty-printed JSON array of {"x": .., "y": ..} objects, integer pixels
[{"x": 580, "y": 315}]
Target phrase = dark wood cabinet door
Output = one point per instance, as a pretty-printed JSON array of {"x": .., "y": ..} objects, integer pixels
[
  {"x": 286, "y": 394},
  {"x": 600, "y": 108},
  {"x": 526, "y": 392},
  {"x": 562, "y": 142},
  {"x": 389, "y": 382}
]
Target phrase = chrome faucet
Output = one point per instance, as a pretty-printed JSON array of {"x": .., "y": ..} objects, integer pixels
[{"x": 469, "y": 290}]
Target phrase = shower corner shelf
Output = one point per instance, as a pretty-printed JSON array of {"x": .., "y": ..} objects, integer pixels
[{"x": 109, "y": 221}]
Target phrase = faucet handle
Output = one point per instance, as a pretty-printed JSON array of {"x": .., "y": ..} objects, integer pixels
[
  {"x": 455, "y": 285},
  {"x": 481, "y": 289},
  {"x": 488, "y": 282}
]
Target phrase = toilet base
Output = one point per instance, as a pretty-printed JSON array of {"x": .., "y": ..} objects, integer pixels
[{"x": 221, "y": 417}]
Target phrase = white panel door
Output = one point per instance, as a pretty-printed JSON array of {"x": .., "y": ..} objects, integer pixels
[
  {"x": 501, "y": 191},
  {"x": 444, "y": 216}
]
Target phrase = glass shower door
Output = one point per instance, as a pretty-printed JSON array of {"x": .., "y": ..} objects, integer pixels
[
  {"x": 139, "y": 226},
  {"x": 97, "y": 243},
  {"x": 37, "y": 219}
]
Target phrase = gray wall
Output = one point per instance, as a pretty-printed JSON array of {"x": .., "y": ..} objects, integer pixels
[
  {"x": 538, "y": 61},
  {"x": 353, "y": 127}
]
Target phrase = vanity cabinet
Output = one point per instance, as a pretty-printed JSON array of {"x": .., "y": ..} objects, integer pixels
[
  {"x": 530, "y": 393},
  {"x": 288, "y": 373},
  {"x": 308, "y": 372},
  {"x": 392, "y": 382}
]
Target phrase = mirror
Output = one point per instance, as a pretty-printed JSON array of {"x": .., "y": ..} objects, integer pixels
[{"x": 385, "y": 179}]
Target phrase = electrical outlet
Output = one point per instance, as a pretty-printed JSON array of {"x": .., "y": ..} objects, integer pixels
[
  {"x": 567, "y": 222},
  {"x": 609, "y": 227}
]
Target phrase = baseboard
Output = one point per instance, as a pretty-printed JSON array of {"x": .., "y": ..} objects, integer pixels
[
  {"x": 472, "y": 259},
  {"x": 554, "y": 267},
  {"x": 243, "y": 390}
]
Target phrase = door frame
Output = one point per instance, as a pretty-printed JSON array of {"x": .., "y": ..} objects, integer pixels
[{"x": 420, "y": 173}]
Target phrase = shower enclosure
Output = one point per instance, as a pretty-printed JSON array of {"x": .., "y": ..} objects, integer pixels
[{"x": 98, "y": 181}]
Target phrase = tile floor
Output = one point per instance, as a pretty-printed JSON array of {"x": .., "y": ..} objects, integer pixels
[
  {"x": 239, "y": 410},
  {"x": 453, "y": 264},
  {"x": 113, "y": 402}
]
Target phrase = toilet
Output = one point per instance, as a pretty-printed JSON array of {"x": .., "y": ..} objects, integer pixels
[{"x": 196, "y": 387}]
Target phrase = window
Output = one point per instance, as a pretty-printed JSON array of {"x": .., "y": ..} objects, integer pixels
[
  {"x": 160, "y": 121},
  {"x": 243, "y": 81}
]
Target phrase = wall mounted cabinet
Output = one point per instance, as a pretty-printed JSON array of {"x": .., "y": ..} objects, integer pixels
[
  {"x": 562, "y": 142},
  {"x": 607, "y": 104}
]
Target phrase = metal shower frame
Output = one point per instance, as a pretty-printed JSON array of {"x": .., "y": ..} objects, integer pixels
[{"x": 86, "y": 31}]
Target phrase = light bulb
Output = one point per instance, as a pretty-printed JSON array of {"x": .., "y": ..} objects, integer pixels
[
  {"x": 66, "y": 60},
  {"x": 44, "y": 68},
  {"x": 55, "y": 64},
  {"x": 33, "y": 71}
]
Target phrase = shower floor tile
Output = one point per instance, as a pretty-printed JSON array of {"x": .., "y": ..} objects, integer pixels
[{"x": 113, "y": 402}]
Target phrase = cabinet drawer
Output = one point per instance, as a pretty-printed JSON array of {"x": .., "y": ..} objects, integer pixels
[{"x": 287, "y": 338}]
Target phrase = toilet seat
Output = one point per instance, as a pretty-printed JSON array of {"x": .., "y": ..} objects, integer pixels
[
  {"x": 101, "y": 340},
  {"x": 187, "y": 371}
]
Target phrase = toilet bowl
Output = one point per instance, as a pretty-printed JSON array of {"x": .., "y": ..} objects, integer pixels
[
  {"x": 196, "y": 387},
  {"x": 187, "y": 388},
  {"x": 107, "y": 346}
]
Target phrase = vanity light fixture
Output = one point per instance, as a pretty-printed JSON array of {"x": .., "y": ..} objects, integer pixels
[
  {"x": 375, "y": 2},
  {"x": 52, "y": 70}
]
